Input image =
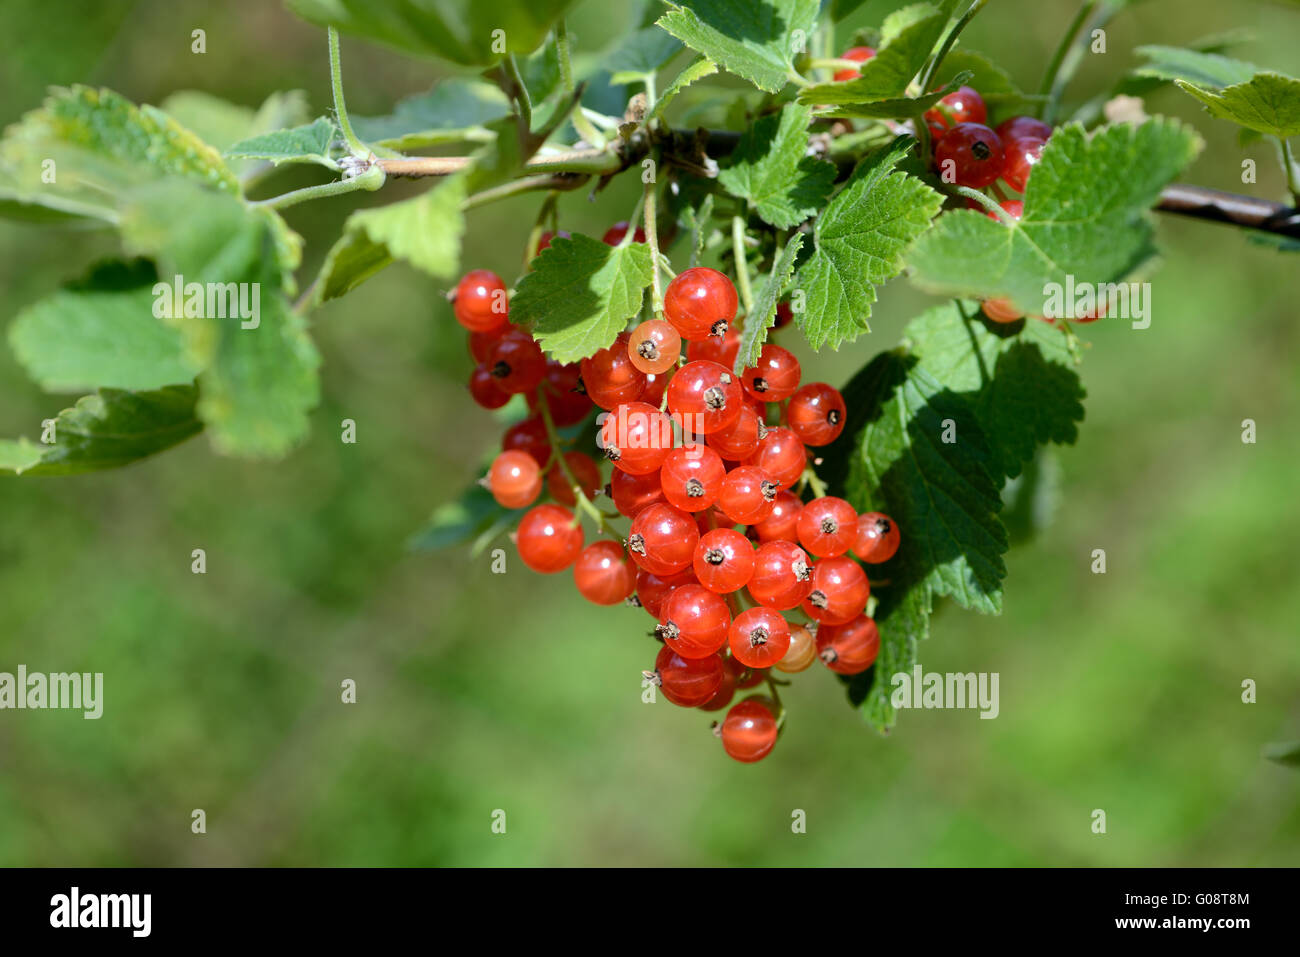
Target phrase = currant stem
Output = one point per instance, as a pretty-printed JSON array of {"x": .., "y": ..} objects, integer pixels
[
  {"x": 340, "y": 107},
  {"x": 742, "y": 264},
  {"x": 517, "y": 186},
  {"x": 580, "y": 497},
  {"x": 580, "y": 121},
  {"x": 933, "y": 67},
  {"x": 984, "y": 201},
  {"x": 519, "y": 93},
  {"x": 812, "y": 481},
  {"x": 1291, "y": 169},
  {"x": 371, "y": 180},
  {"x": 652, "y": 237}
]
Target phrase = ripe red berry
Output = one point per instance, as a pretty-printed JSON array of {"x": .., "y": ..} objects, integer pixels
[
  {"x": 548, "y": 539},
  {"x": 726, "y": 691},
  {"x": 749, "y": 731},
  {"x": 1020, "y": 127},
  {"x": 544, "y": 241},
  {"x": 663, "y": 539},
  {"x": 603, "y": 574},
  {"x": 480, "y": 343},
  {"x": 850, "y": 648},
  {"x": 828, "y": 526},
  {"x": 693, "y": 621},
  {"x": 776, "y": 375},
  {"x": 528, "y": 436},
  {"x": 480, "y": 302},
  {"x": 840, "y": 591},
  {"x": 739, "y": 440},
  {"x": 653, "y": 590},
  {"x": 759, "y": 637},
  {"x": 963, "y": 105},
  {"x": 1001, "y": 311},
  {"x": 654, "y": 346},
  {"x": 656, "y": 384},
  {"x": 783, "y": 575},
  {"x": 636, "y": 437},
  {"x": 724, "y": 560},
  {"x": 614, "y": 235},
  {"x": 700, "y": 302},
  {"x": 1015, "y": 208},
  {"x": 720, "y": 349},
  {"x": 609, "y": 376},
  {"x": 484, "y": 390},
  {"x": 802, "y": 652},
  {"x": 877, "y": 539},
  {"x": 515, "y": 479},
  {"x": 784, "y": 315},
  {"x": 692, "y": 477},
  {"x": 704, "y": 397},
  {"x": 516, "y": 362},
  {"x": 631, "y": 493},
  {"x": 861, "y": 54},
  {"x": 781, "y": 455},
  {"x": 746, "y": 677},
  {"x": 747, "y": 495},
  {"x": 969, "y": 154},
  {"x": 563, "y": 392},
  {"x": 1019, "y": 159},
  {"x": 816, "y": 414},
  {"x": 585, "y": 471},
  {"x": 783, "y": 523}
]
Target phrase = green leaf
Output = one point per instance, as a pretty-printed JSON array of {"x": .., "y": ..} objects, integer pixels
[
  {"x": 1283, "y": 752},
  {"x": 771, "y": 168},
  {"x": 760, "y": 320},
  {"x": 456, "y": 109},
  {"x": 903, "y": 620},
  {"x": 581, "y": 293},
  {"x": 1206, "y": 69},
  {"x": 1031, "y": 499},
  {"x": 642, "y": 53},
  {"x": 906, "y": 107},
  {"x": 468, "y": 32},
  {"x": 756, "y": 41},
  {"x": 922, "y": 459},
  {"x": 302, "y": 144},
  {"x": 696, "y": 71},
  {"x": 1085, "y": 217},
  {"x": 101, "y": 332},
  {"x": 220, "y": 123},
  {"x": 697, "y": 221},
  {"x": 1268, "y": 103},
  {"x": 994, "y": 83},
  {"x": 107, "y": 430},
  {"x": 475, "y": 518},
  {"x": 860, "y": 241},
  {"x": 424, "y": 231}
]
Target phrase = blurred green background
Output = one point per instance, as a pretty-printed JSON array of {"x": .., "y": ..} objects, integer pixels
[{"x": 477, "y": 692}]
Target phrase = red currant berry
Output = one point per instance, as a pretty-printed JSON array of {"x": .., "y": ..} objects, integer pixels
[
  {"x": 722, "y": 697},
  {"x": 816, "y": 414},
  {"x": 749, "y": 731},
  {"x": 692, "y": 477},
  {"x": 783, "y": 523},
  {"x": 484, "y": 390},
  {"x": 969, "y": 154},
  {"x": 1020, "y": 127},
  {"x": 480, "y": 343},
  {"x": 609, "y": 376},
  {"x": 747, "y": 495},
  {"x": 784, "y": 315},
  {"x": 720, "y": 349},
  {"x": 656, "y": 384},
  {"x": 480, "y": 301},
  {"x": 544, "y": 241},
  {"x": 783, "y": 575},
  {"x": 631, "y": 493},
  {"x": 828, "y": 526},
  {"x": 1015, "y": 208},
  {"x": 739, "y": 440},
  {"x": 747, "y": 677},
  {"x": 861, "y": 55},
  {"x": 654, "y": 346},
  {"x": 564, "y": 393},
  {"x": 693, "y": 621},
  {"x": 724, "y": 560},
  {"x": 775, "y": 377},
  {"x": 585, "y": 471},
  {"x": 515, "y": 480},
  {"x": 663, "y": 539},
  {"x": 614, "y": 235},
  {"x": 516, "y": 362},
  {"x": 840, "y": 591},
  {"x": 878, "y": 537},
  {"x": 759, "y": 637},
  {"x": 528, "y": 436},
  {"x": 686, "y": 682},
  {"x": 700, "y": 302},
  {"x": 1019, "y": 160},
  {"x": 653, "y": 590},
  {"x": 802, "y": 652},
  {"x": 704, "y": 397},
  {"x": 850, "y": 648},
  {"x": 637, "y": 437},
  {"x": 1001, "y": 311},
  {"x": 963, "y": 105},
  {"x": 781, "y": 455},
  {"x": 549, "y": 540},
  {"x": 603, "y": 574}
]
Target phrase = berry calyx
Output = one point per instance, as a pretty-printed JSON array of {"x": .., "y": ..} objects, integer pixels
[
  {"x": 781, "y": 455},
  {"x": 801, "y": 653},
  {"x": 724, "y": 560},
  {"x": 693, "y": 621},
  {"x": 609, "y": 376},
  {"x": 749, "y": 731},
  {"x": 783, "y": 575},
  {"x": 774, "y": 377},
  {"x": 479, "y": 301},
  {"x": 816, "y": 414},
  {"x": 828, "y": 526},
  {"x": 515, "y": 479},
  {"x": 747, "y": 495},
  {"x": 663, "y": 539},
  {"x": 548, "y": 539},
  {"x": 654, "y": 346},
  {"x": 686, "y": 682},
  {"x": 759, "y": 637},
  {"x": 691, "y": 477},
  {"x": 585, "y": 471},
  {"x": 860, "y": 54},
  {"x": 602, "y": 573},
  {"x": 636, "y": 437},
  {"x": 878, "y": 538},
  {"x": 969, "y": 154},
  {"x": 700, "y": 302},
  {"x": 839, "y": 593},
  {"x": 850, "y": 648}
]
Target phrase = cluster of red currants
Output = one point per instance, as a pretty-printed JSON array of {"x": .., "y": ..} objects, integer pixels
[{"x": 709, "y": 467}]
